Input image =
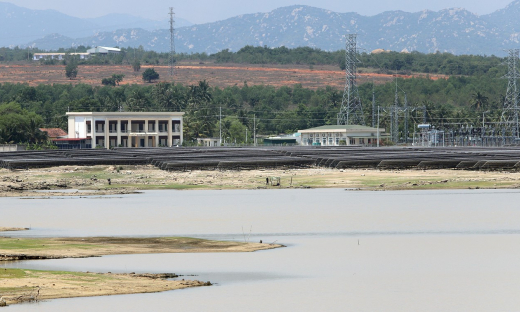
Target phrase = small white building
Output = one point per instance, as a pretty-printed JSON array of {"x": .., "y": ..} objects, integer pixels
[
  {"x": 209, "y": 142},
  {"x": 103, "y": 50},
  {"x": 122, "y": 129},
  {"x": 58, "y": 56},
  {"x": 336, "y": 135}
]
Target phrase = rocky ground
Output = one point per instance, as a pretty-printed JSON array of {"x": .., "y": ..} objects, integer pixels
[{"x": 109, "y": 180}]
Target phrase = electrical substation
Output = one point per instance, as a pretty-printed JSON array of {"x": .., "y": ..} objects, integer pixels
[{"x": 505, "y": 132}]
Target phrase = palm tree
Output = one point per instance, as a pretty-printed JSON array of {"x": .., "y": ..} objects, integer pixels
[
  {"x": 33, "y": 133},
  {"x": 479, "y": 100}
]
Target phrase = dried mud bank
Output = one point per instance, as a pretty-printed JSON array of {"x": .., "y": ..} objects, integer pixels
[
  {"x": 12, "y": 248},
  {"x": 20, "y": 285},
  {"x": 11, "y": 229},
  {"x": 94, "y": 180}
]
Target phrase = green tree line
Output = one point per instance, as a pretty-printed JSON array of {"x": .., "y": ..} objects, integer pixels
[
  {"x": 448, "y": 102},
  {"x": 385, "y": 62}
]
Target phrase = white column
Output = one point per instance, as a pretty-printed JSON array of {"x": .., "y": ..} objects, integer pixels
[
  {"x": 128, "y": 131},
  {"x": 93, "y": 132},
  {"x": 107, "y": 134},
  {"x": 182, "y": 131},
  {"x": 146, "y": 133},
  {"x": 170, "y": 132},
  {"x": 118, "y": 132},
  {"x": 156, "y": 130}
]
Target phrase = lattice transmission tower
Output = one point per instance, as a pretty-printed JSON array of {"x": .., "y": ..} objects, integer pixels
[
  {"x": 394, "y": 111},
  {"x": 172, "y": 42},
  {"x": 351, "y": 111},
  {"x": 509, "y": 119}
]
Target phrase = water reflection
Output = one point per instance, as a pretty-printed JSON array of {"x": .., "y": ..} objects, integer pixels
[{"x": 371, "y": 251}]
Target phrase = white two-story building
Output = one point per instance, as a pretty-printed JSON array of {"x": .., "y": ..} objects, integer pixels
[{"x": 121, "y": 129}]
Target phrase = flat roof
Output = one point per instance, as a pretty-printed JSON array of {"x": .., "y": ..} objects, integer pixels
[
  {"x": 62, "y": 140},
  {"x": 125, "y": 113},
  {"x": 61, "y": 53},
  {"x": 344, "y": 127}
]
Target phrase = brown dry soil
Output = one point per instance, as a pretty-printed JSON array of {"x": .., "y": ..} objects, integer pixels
[
  {"x": 189, "y": 73},
  {"x": 20, "y": 285},
  {"x": 93, "y": 181}
]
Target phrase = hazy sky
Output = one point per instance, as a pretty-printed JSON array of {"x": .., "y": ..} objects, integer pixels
[{"x": 203, "y": 11}]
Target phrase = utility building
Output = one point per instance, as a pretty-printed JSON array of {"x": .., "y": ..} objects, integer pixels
[
  {"x": 336, "y": 135},
  {"x": 143, "y": 129},
  {"x": 103, "y": 50}
]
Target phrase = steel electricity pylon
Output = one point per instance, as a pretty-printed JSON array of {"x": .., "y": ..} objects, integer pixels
[
  {"x": 351, "y": 112},
  {"x": 509, "y": 118}
]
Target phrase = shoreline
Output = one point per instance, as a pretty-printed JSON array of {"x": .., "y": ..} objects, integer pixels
[
  {"x": 30, "y": 286},
  {"x": 93, "y": 180},
  {"x": 20, "y": 248},
  {"x": 21, "y": 285},
  {"x": 13, "y": 229}
]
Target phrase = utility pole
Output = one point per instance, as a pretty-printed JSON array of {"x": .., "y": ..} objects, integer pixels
[
  {"x": 405, "y": 119},
  {"x": 254, "y": 129},
  {"x": 373, "y": 105},
  {"x": 220, "y": 125},
  {"x": 172, "y": 43},
  {"x": 378, "y": 126}
]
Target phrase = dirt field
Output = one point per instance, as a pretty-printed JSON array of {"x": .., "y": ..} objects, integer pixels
[
  {"x": 219, "y": 75},
  {"x": 83, "y": 181}
]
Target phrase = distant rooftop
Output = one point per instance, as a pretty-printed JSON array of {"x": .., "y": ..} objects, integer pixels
[{"x": 344, "y": 127}]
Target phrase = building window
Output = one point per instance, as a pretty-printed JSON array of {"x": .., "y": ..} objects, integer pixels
[
  {"x": 330, "y": 141},
  {"x": 337, "y": 141},
  {"x": 361, "y": 141},
  {"x": 352, "y": 141},
  {"x": 324, "y": 141}
]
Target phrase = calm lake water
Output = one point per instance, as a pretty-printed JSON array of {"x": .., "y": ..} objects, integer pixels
[{"x": 346, "y": 250}]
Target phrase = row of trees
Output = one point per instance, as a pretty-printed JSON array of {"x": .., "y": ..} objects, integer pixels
[
  {"x": 438, "y": 63},
  {"x": 454, "y": 101}
]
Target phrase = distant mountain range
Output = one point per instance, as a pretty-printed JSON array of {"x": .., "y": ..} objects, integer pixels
[
  {"x": 456, "y": 31},
  {"x": 20, "y": 25}
]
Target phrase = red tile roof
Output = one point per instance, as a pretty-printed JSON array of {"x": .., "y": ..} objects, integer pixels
[{"x": 54, "y": 132}]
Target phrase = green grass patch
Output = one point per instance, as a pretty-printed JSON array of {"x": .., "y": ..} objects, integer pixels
[
  {"x": 38, "y": 244},
  {"x": 13, "y": 273},
  {"x": 15, "y": 290},
  {"x": 150, "y": 186}
]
